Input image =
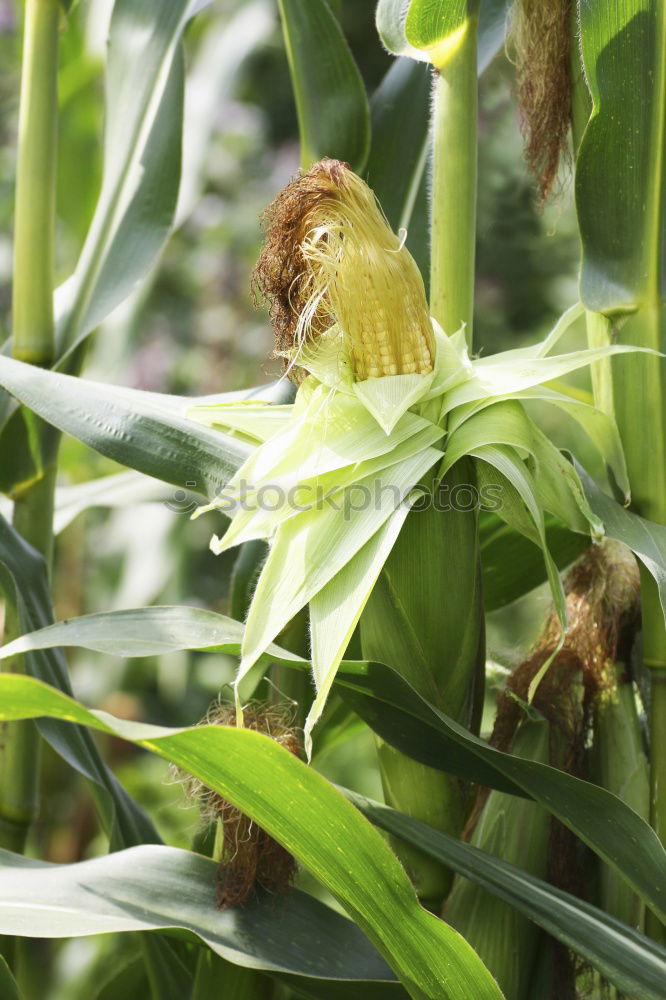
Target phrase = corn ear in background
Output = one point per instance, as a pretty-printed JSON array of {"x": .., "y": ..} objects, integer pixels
[{"x": 518, "y": 831}]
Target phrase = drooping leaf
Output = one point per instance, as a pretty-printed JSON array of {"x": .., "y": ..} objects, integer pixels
[
  {"x": 151, "y": 887},
  {"x": 645, "y": 538},
  {"x": 313, "y": 821},
  {"x": 331, "y": 104},
  {"x": 399, "y": 715},
  {"x": 513, "y": 564},
  {"x": 634, "y": 963},
  {"x": 144, "y": 430}
]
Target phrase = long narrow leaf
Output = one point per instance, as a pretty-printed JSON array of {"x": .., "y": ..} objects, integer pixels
[
  {"x": 395, "y": 711},
  {"x": 313, "y": 821},
  {"x": 151, "y": 887},
  {"x": 142, "y": 152},
  {"x": 143, "y": 430},
  {"x": 634, "y": 963},
  {"x": 331, "y": 105}
]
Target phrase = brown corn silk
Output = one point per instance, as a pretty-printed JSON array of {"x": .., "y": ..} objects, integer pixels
[
  {"x": 250, "y": 858},
  {"x": 541, "y": 46},
  {"x": 330, "y": 260},
  {"x": 602, "y": 596}
]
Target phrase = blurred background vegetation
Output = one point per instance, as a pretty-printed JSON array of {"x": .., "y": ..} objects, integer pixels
[{"x": 193, "y": 329}]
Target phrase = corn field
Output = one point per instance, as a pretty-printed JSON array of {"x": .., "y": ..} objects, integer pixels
[{"x": 276, "y": 756}]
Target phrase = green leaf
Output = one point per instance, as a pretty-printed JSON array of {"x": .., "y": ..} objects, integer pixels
[
  {"x": 331, "y": 105},
  {"x": 400, "y": 716},
  {"x": 23, "y": 574},
  {"x": 312, "y": 820},
  {"x": 142, "y": 154},
  {"x": 432, "y": 25},
  {"x": 634, "y": 963},
  {"x": 8, "y": 987},
  {"x": 622, "y": 49},
  {"x": 151, "y": 887},
  {"x": 440, "y": 19},
  {"x": 513, "y": 564},
  {"x": 146, "y": 431},
  {"x": 646, "y": 539},
  {"x": 400, "y": 122},
  {"x": 614, "y": 831},
  {"x": 144, "y": 632}
]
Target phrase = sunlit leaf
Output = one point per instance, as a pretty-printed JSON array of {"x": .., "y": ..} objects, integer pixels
[{"x": 312, "y": 820}]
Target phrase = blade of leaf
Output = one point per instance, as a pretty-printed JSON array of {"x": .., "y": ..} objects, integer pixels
[
  {"x": 314, "y": 822},
  {"x": 336, "y": 609},
  {"x": 143, "y": 430},
  {"x": 150, "y": 887},
  {"x": 331, "y": 105},
  {"x": 633, "y": 962},
  {"x": 142, "y": 153},
  {"x": 615, "y": 832}
]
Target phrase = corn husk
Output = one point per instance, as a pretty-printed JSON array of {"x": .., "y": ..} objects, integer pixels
[{"x": 516, "y": 830}]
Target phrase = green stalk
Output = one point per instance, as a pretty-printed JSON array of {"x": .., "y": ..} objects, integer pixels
[
  {"x": 620, "y": 766},
  {"x": 32, "y": 297},
  {"x": 33, "y": 341},
  {"x": 454, "y": 173},
  {"x": 515, "y": 830},
  {"x": 425, "y": 615}
]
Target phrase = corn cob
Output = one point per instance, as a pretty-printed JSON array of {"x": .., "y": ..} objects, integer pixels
[{"x": 331, "y": 263}]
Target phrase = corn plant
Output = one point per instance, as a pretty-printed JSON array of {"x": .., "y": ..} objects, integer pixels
[{"x": 382, "y": 496}]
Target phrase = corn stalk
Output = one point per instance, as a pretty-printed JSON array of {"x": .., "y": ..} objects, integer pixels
[
  {"x": 33, "y": 341},
  {"x": 444, "y": 655},
  {"x": 620, "y": 206}
]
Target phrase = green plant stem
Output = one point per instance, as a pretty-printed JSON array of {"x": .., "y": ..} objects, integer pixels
[
  {"x": 640, "y": 406},
  {"x": 454, "y": 173},
  {"x": 33, "y": 341},
  {"x": 620, "y": 765},
  {"x": 18, "y": 759},
  {"x": 32, "y": 297}
]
